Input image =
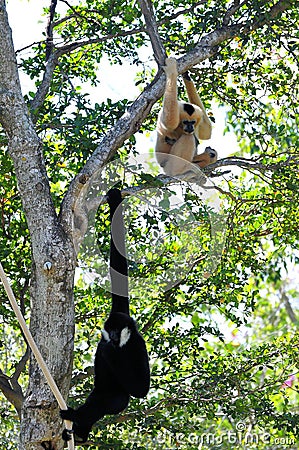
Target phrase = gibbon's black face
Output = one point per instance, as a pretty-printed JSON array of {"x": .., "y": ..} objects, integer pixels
[
  {"x": 188, "y": 126},
  {"x": 118, "y": 329},
  {"x": 190, "y": 117},
  {"x": 212, "y": 154}
]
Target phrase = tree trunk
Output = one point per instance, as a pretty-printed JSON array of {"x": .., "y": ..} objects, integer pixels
[
  {"x": 52, "y": 307},
  {"x": 53, "y": 259},
  {"x": 52, "y": 326}
]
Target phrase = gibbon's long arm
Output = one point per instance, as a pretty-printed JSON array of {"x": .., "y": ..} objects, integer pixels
[
  {"x": 205, "y": 128},
  {"x": 180, "y": 125},
  {"x": 118, "y": 258},
  {"x": 170, "y": 114}
]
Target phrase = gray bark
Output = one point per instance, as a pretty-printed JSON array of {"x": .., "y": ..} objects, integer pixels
[
  {"x": 54, "y": 238},
  {"x": 52, "y": 309}
]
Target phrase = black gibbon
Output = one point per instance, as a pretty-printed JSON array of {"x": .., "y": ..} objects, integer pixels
[
  {"x": 121, "y": 361},
  {"x": 180, "y": 125}
]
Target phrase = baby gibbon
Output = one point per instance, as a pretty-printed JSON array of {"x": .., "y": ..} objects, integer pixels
[
  {"x": 180, "y": 125},
  {"x": 209, "y": 156}
]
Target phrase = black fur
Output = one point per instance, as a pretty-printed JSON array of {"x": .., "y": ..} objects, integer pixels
[
  {"x": 188, "y": 126},
  {"x": 118, "y": 259},
  {"x": 121, "y": 361},
  {"x": 211, "y": 152},
  {"x": 189, "y": 108}
]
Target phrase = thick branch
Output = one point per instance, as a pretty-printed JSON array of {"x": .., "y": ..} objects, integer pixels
[
  {"x": 15, "y": 398},
  {"x": 152, "y": 30},
  {"x": 10, "y": 88}
]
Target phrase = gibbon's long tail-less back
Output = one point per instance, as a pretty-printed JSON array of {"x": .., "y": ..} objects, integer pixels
[
  {"x": 118, "y": 257},
  {"x": 121, "y": 367}
]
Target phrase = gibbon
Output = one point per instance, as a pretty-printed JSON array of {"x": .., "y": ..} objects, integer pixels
[
  {"x": 121, "y": 360},
  {"x": 209, "y": 156},
  {"x": 180, "y": 125}
]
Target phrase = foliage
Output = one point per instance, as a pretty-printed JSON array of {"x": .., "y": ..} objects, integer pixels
[{"x": 223, "y": 346}]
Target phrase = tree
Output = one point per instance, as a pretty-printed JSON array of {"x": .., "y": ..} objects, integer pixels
[{"x": 55, "y": 143}]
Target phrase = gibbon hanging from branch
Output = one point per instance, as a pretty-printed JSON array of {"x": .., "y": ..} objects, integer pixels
[
  {"x": 180, "y": 125},
  {"x": 121, "y": 361}
]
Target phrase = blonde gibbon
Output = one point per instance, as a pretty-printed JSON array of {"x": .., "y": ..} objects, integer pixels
[
  {"x": 209, "y": 156},
  {"x": 180, "y": 125}
]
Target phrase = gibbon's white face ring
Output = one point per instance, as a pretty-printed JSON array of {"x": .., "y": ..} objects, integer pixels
[
  {"x": 105, "y": 335},
  {"x": 124, "y": 336}
]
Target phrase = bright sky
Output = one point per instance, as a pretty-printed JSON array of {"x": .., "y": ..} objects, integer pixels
[{"x": 28, "y": 25}]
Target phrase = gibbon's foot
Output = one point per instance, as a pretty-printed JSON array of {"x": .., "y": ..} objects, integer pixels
[
  {"x": 67, "y": 434},
  {"x": 81, "y": 432},
  {"x": 67, "y": 414},
  {"x": 170, "y": 67}
]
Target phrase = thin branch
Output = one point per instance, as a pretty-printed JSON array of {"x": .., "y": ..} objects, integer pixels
[
  {"x": 88, "y": 372},
  {"x": 250, "y": 164},
  {"x": 203, "y": 50},
  {"x": 45, "y": 84},
  {"x": 77, "y": 16},
  {"x": 10, "y": 387},
  {"x": 49, "y": 30},
  {"x": 289, "y": 308},
  {"x": 161, "y": 404},
  {"x": 230, "y": 12},
  {"x": 21, "y": 365}
]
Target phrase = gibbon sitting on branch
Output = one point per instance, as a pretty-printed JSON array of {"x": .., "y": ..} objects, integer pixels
[{"x": 180, "y": 125}]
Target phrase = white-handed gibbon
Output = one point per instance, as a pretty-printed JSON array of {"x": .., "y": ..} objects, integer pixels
[
  {"x": 180, "y": 125},
  {"x": 121, "y": 361}
]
